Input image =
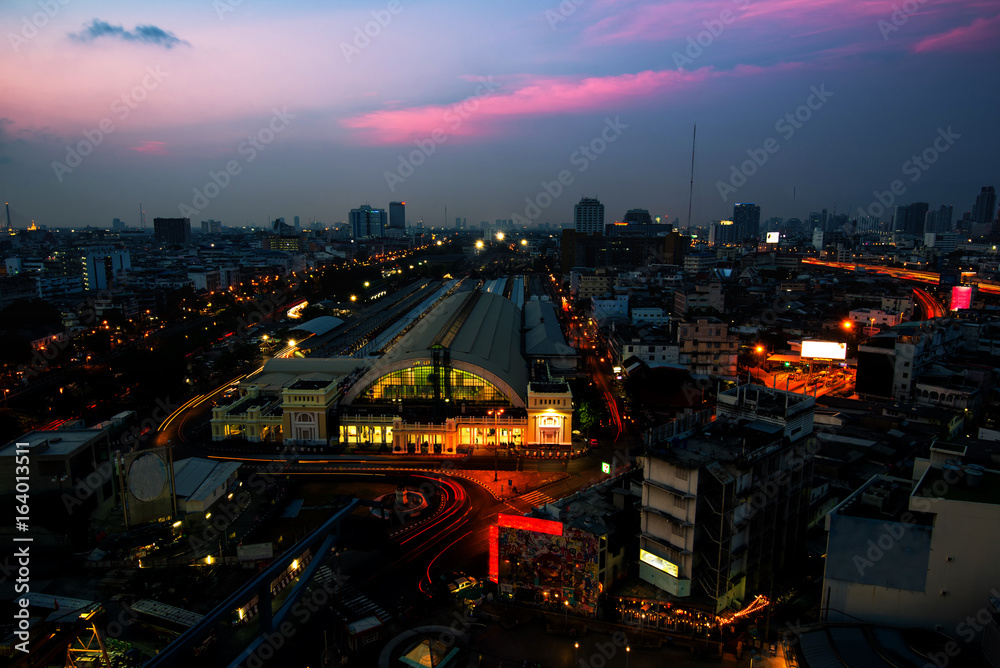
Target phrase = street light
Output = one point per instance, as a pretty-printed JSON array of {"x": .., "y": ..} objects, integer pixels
[
  {"x": 496, "y": 439},
  {"x": 566, "y": 610},
  {"x": 576, "y": 654},
  {"x": 628, "y": 651}
]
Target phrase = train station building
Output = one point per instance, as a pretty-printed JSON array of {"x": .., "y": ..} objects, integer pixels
[{"x": 456, "y": 382}]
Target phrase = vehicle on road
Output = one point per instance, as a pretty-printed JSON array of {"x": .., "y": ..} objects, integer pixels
[{"x": 461, "y": 584}]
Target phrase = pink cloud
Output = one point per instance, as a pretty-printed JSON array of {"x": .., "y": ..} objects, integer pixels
[
  {"x": 480, "y": 114},
  {"x": 151, "y": 147},
  {"x": 978, "y": 35}
]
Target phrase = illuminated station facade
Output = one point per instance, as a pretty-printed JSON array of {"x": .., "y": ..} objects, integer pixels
[{"x": 456, "y": 382}]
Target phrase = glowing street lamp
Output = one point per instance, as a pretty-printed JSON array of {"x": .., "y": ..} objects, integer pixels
[{"x": 496, "y": 439}]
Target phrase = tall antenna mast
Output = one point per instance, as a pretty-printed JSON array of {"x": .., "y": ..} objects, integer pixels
[
  {"x": 142, "y": 217},
  {"x": 694, "y": 139},
  {"x": 10, "y": 228}
]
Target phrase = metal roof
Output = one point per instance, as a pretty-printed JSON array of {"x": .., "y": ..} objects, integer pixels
[{"x": 482, "y": 332}]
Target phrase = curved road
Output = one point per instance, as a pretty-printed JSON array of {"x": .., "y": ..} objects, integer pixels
[{"x": 931, "y": 307}]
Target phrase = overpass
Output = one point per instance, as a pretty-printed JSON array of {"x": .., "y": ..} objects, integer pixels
[{"x": 318, "y": 543}]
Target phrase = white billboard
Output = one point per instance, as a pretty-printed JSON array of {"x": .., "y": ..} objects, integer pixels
[
  {"x": 773, "y": 237},
  {"x": 825, "y": 350}
]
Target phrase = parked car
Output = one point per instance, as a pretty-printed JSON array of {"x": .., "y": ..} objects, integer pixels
[{"x": 461, "y": 584}]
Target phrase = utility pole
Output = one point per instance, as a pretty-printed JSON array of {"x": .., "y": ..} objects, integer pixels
[{"x": 694, "y": 139}]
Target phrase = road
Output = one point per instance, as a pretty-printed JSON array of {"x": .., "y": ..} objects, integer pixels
[{"x": 931, "y": 307}]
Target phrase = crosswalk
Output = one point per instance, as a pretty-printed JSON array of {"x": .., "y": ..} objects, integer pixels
[{"x": 531, "y": 500}]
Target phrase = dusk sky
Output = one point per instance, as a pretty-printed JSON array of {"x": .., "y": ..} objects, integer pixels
[{"x": 501, "y": 95}]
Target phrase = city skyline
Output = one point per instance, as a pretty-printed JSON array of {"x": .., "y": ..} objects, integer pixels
[{"x": 176, "y": 109}]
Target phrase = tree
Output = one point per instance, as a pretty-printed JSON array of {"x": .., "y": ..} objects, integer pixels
[
  {"x": 314, "y": 311},
  {"x": 589, "y": 416}
]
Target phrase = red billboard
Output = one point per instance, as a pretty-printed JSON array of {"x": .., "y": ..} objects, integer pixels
[{"x": 961, "y": 297}]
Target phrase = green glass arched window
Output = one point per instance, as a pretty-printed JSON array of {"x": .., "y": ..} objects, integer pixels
[{"x": 417, "y": 383}]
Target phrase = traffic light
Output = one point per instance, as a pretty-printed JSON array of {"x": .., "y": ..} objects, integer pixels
[{"x": 788, "y": 364}]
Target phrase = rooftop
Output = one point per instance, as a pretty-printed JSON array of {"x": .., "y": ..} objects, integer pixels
[
  {"x": 724, "y": 440},
  {"x": 196, "y": 478},
  {"x": 53, "y": 443},
  {"x": 480, "y": 330},
  {"x": 310, "y": 384},
  {"x": 986, "y": 490},
  {"x": 881, "y": 498}
]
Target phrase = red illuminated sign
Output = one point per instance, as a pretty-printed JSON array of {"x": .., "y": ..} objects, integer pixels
[
  {"x": 961, "y": 297},
  {"x": 494, "y": 553},
  {"x": 530, "y": 524}
]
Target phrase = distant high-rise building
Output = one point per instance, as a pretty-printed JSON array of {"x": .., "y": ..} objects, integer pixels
[
  {"x": 211, "y": 227},
  {"x": 636, "y": 223},
  {"x": 868, "y": 225},
  {"x": 986, "y": 204},
  {"x": 917, "y": 216},
  {"x": 746, "y": 220},
  {"x": 172, "y": 230},
  {"x": 818, "y": 235},
  {"x": 900, "y": 218},
  {"x": 723, "y": 233},
  {"x": 938, "y": 221},
  {"x": 117, "y": 225},
  {"x": 397, "y": 215},
  {"x": 640, "y": 216},
  {"x": 298, "y": 227},
  {"x": 100, "y": 269},
  {"x": 815, "y": 220},
  {"x": 588, "y": 216},
  {"x": 367, "y": 222}
]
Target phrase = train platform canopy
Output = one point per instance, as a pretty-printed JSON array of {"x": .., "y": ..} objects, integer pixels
[
  {"x": 320, "y": 326},
  {"x": 482, "y": 335}
]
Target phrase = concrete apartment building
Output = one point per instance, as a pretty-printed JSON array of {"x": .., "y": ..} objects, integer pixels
[
  {"x": 725, "y": 505},
  {"x": 890, "y": 363},
  {"x": 919, "y": 552},
  {"x": 709, "y": 296},
  {"x": 708, "y": 348}
]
